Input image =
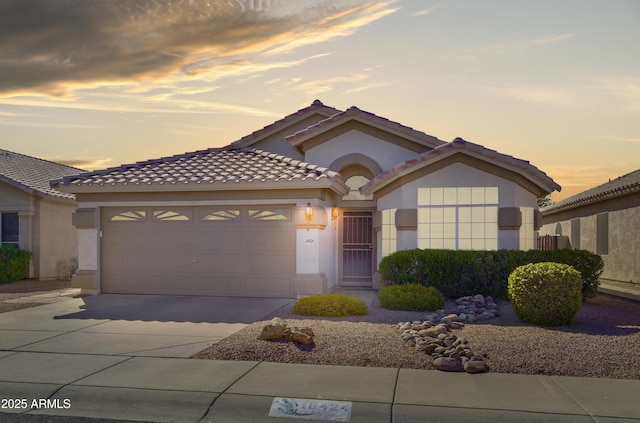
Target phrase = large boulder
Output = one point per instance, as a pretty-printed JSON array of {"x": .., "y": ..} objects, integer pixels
[
  {"x": 302, "y": 335},
  {"x": 274, "y": 330}
]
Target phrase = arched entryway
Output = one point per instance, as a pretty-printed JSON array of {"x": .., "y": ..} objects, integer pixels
[{"x": 356, "y": 238}]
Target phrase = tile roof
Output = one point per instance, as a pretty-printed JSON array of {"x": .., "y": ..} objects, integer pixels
[
  {"x": 355, "y": 113},
  {"x": 33, "y": 174},
  {"x": 316, "y": 107},
  {"x": 522, "y": 167},
  {"x": 623, "y": 185},
  {"x": 215, "y": 168}
]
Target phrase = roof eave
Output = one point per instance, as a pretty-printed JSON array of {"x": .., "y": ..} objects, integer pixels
[
  {"x": 591, "y": 199},
  {"x": 301, "y": 137},
  {"x": 315, "y": 108},
  {"x": 34, "y": 191},
  {"x": 529, "y": 172},
  {"x": 335, "y": 184}
]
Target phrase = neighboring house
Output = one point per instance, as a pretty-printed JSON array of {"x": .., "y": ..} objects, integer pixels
[
  {"x": 36, "y": 217},
  {"x": 604, "y": 220},
  {"x": 310, "y": 202}
]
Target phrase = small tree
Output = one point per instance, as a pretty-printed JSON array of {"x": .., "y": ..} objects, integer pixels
[{"x": 544, "y": 202}]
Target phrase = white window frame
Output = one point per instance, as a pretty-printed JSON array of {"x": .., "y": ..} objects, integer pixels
[
  {"x": 458, "y": 218},
  {"x": 389, "y": 232}
]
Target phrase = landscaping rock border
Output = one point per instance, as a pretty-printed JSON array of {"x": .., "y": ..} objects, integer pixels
[{"x": 434, "y": 336}]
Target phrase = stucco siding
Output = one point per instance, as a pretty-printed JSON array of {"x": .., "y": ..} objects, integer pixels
[
  {"x": 12, "y": 199},
  {"x": 328, "y": 251},
  {"x": 622, "y": 263},
  {"x": 276, "y": 143},
  {"x": 386, "y": 154},
  {"x": 58, "y": 238},
  {"x": 588, "y": 233},
  {"x": 459, "y": 175}
]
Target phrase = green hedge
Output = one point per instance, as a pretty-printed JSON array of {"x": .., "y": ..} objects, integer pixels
[
  {"x": 14, "y": 263},
  {"x": 458, "y": 273}
]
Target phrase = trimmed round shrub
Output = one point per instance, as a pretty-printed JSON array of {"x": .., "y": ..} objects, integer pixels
[
  {"x": 411, "y": 297},
  {"x": 331, "y": 305},
  {"x": 546, "y": 294}
]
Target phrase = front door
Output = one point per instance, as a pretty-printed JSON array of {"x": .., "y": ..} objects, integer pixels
[{"x": 357, "y": 248}]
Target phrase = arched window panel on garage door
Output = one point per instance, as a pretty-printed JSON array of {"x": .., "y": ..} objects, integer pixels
[
  {"x": 220, "y": 215},
  {"x": 172, "y": 215},
  {"x": 278, "y": 214},
  {"x": 129, "y": 215}
]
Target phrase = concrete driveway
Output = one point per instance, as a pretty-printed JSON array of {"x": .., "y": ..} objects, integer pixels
[{"x": 130, "y": 325}]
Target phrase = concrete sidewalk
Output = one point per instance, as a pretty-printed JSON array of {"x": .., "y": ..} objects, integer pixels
[{"x": 187, "y": 390}]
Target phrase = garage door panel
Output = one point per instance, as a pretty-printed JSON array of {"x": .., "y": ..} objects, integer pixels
[
  {"x": 161, "y": 237},
  {"x": 235, "y": 255},
  {"x": 221, "y": 263},
  {"x": 264, "y": 238},
  {"x": 126, "y": 236}
]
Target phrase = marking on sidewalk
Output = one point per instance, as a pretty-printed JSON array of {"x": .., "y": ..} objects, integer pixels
[{"x": 297, "y": 408}]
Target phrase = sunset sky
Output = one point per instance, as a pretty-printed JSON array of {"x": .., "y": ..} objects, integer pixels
[{"x": 98, "y": 83}]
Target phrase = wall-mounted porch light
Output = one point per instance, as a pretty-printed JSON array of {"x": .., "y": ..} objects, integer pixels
[
  {"x": 334, "y": 216},
  {"x": 308, "y": 214}
]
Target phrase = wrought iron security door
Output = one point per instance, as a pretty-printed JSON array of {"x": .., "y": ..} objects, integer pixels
[{"x": 357, "y": 248}]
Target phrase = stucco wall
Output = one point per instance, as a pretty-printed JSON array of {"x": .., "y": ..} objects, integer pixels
[
  {"x": 623, "y": 261},
  {"x": 12, "y": 199},
  {"x": 386, "y": 154},
  {"x": 58, "y": 238},
  {"x": 458, "y": 175},
  {"x": 276, "y": 142},
  {"x": 45, "y": 229},
  {"x": 328, "y": 250}
]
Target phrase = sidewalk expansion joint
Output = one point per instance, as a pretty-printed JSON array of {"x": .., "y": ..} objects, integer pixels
[
  {"x": 225, "y": 390},
  {"x": 574, "y": 399}
]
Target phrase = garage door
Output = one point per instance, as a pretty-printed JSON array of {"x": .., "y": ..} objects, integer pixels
[{"x": 227, "y": 251}]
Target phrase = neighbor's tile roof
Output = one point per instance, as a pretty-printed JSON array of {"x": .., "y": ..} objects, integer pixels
[
  {"x": 355, "y": 113},
  {"x": 623, "y": 185},
  {"x": 33, "y": 174},
  {"x": 213, "y": 166},
  {"x": 460, "y": 145}
]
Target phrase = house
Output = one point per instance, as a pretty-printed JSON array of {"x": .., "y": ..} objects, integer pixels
[
  {"x": 604, "y": 220},
  {"x": 308, "y": 203},
  {"x": 36, "y": 217}
]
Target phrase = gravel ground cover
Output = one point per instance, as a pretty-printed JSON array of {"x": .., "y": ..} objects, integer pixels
[
  {"x": 603, "y": 343},
  {"x": 27, "y": 288}
]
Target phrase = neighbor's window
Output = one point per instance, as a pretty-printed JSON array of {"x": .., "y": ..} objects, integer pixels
[
  {"x": 458, "y": 218},
  {"x": 10, "y": 229},
  {"x": 527, "y": 230},
  {"x": 602, "y": 234},
  {"x": 388, "y": 232},
  {"x": 575, "y": 233}
]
